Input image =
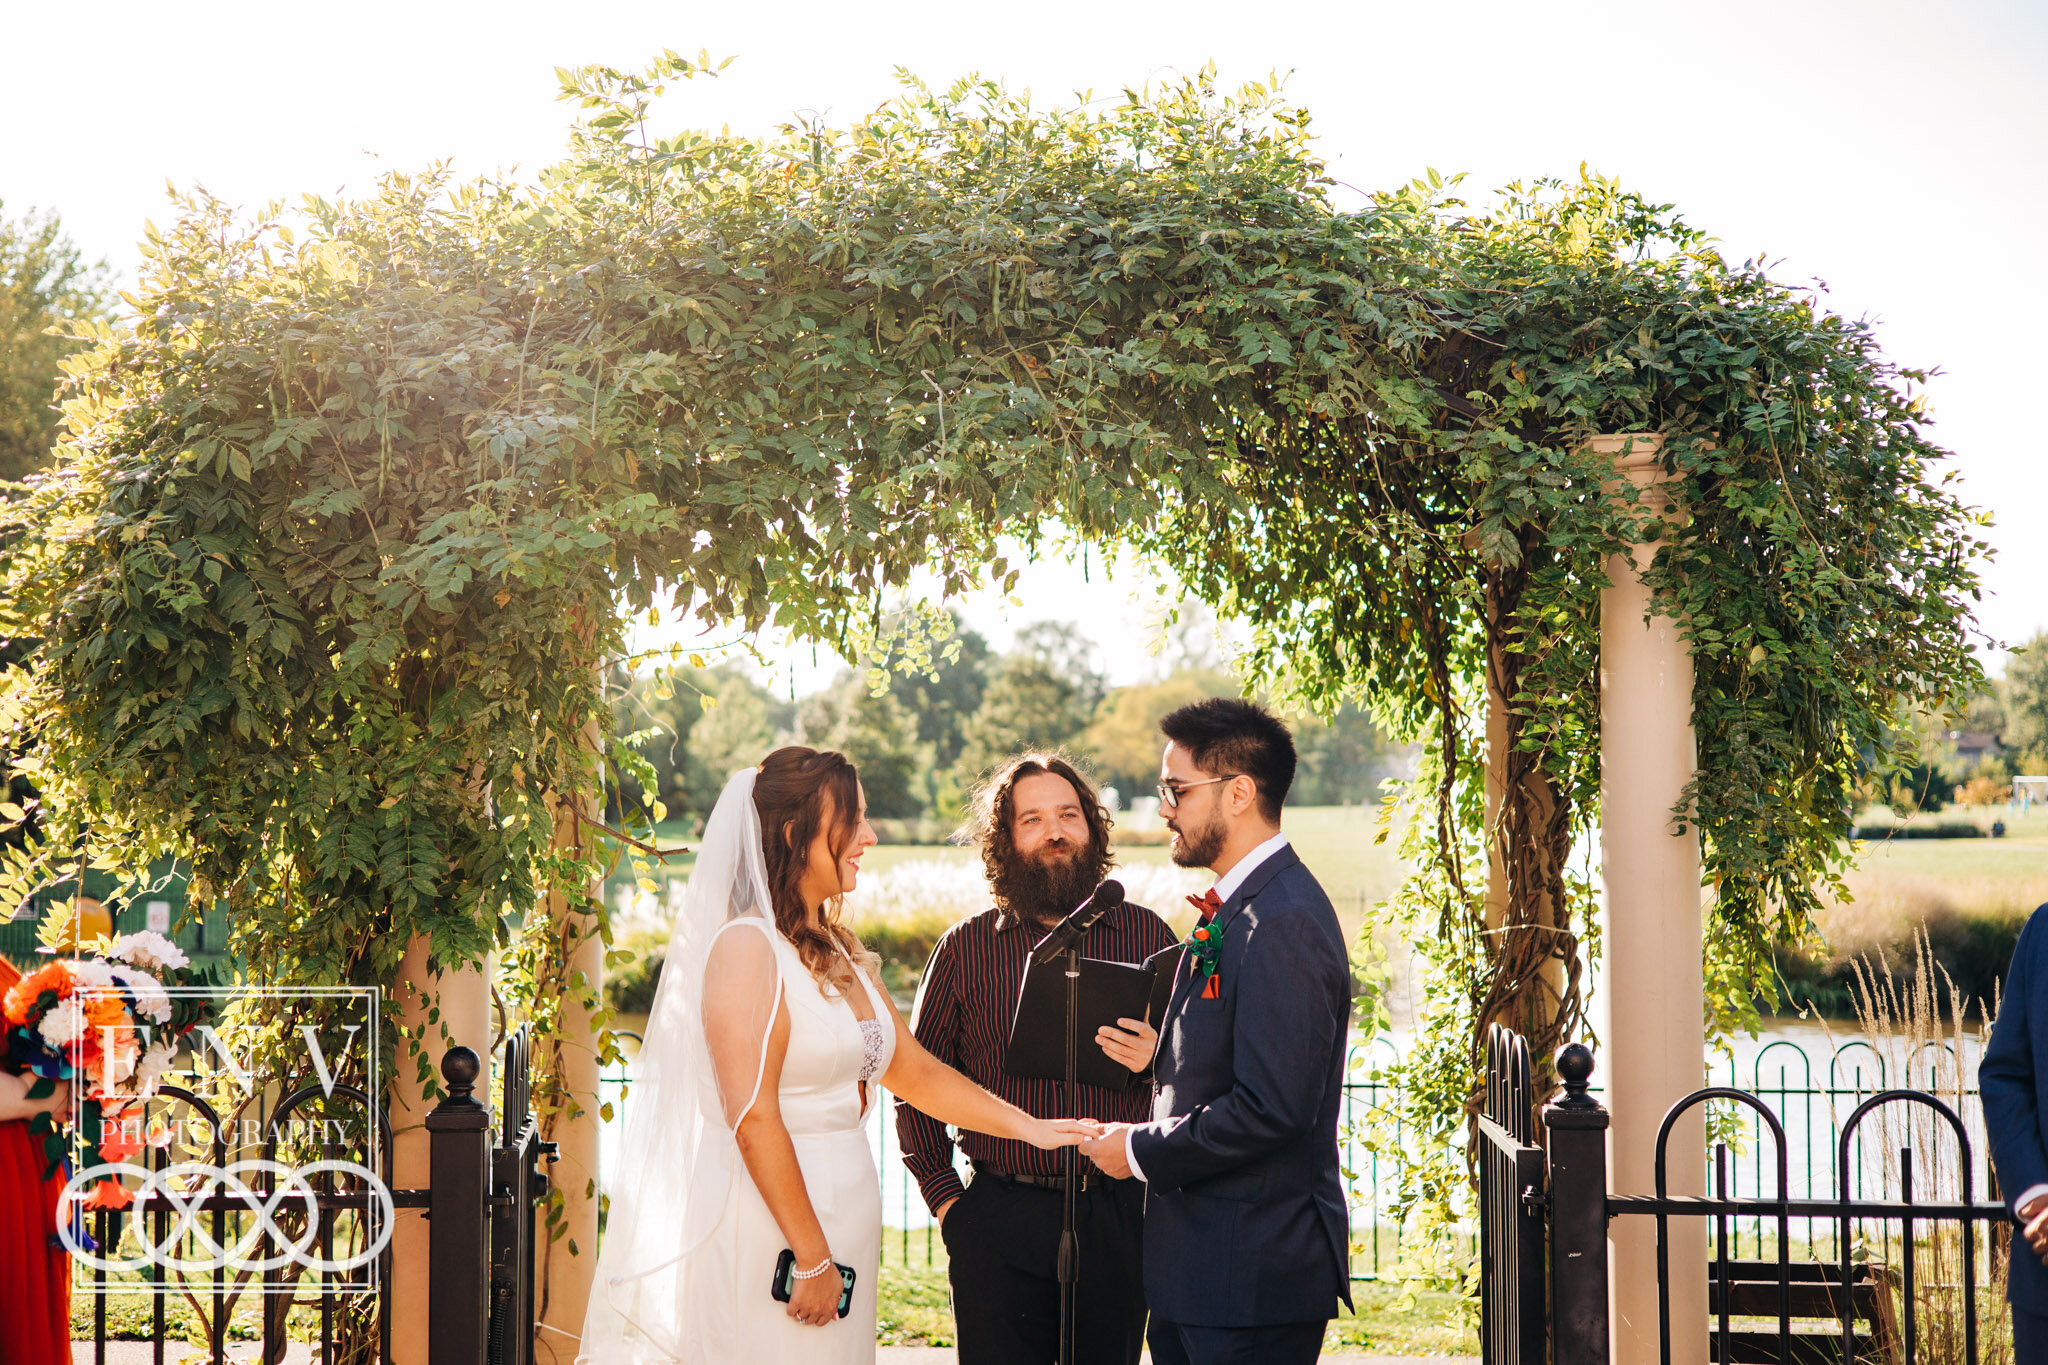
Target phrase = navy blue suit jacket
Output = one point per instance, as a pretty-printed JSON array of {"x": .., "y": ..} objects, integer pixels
[
  {"x": 1245, "y": 1224},
  {"x": 2013, "y": 1077}
]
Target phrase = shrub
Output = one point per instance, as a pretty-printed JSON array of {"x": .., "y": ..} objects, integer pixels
[
  {"x": 1946, "y": 829},
  {"x": 1984, "y": 791},
  {"x": 922, "y": 832},
  {"x": 629, "y": 986},
  {"x": 899, "y": 914},
  {"x": 1970, "y": 926}
]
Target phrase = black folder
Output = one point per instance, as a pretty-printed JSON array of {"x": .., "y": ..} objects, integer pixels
[{"x": 1109, "y": 991}]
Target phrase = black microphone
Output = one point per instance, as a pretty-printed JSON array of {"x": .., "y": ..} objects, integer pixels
[{"x": 1070, "y": 930}]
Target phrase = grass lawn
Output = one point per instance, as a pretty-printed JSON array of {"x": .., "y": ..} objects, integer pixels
[
  {"x": 914, "y": 1309},
  {"x": 1908, "y": 878},
  {"x": 2016, "y": 855}
]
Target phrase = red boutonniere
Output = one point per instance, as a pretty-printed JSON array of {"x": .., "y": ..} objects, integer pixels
[{"x": 1205, "y": 946}]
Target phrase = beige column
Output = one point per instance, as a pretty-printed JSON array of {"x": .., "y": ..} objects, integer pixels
[
  {"x": 1650, "y": 1010},
  {"x": 447, "y": 1008},
  {"x": 565, "y": 1264}
]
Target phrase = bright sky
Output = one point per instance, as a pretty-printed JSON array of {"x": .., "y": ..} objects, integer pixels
[{"x": 1895, "y": 150}]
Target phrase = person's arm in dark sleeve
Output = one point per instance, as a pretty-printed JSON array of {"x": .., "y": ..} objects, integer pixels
[
  {"x": 1294, "y": 1002},
  {"x": 2006, "y": 1076},
  {"x": 935, "y": 1022}
]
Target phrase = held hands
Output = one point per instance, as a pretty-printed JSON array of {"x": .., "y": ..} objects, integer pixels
[
  {"x": 1108, "y": 1149},
  {"x": 1102, "y": 1143},
  {"x": 1130, "y": 1045},
  {"x": 1051, "y": 1134},
  {"x": 2034, "y": 1224}
]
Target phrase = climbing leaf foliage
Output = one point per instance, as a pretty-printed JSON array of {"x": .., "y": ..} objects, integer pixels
[{"x": 352, "y": 512}]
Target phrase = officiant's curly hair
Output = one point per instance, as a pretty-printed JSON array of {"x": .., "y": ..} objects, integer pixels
[
  {"x": 994, "y": 801},
  {"x": 795, "y": 793}
]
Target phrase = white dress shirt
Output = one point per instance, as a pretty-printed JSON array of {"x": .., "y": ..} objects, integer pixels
[{"x": 1226, "y": 887}]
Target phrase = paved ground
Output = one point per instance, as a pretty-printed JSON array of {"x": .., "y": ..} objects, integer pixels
[
  {"x": 928, "y": 1355},
  {"x": 142, "y": 1353}
]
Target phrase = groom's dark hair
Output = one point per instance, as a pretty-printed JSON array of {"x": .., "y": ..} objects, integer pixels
[{"x": 1228, "y": 736}]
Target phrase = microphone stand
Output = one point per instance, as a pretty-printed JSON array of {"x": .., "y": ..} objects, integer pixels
[
  {"x": 1065, "y": 941},
  {"x": 1070, "y": 1165}
]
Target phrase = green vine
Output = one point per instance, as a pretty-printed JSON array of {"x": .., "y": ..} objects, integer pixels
[{"x": 346, "y": 518}]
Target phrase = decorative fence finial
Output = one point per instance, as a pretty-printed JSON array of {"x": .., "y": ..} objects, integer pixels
[
  {"x": 460, "y": 1067},
  {"x": 1575, "y": 1069}
]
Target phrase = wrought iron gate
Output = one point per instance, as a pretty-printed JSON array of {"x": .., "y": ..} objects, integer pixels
[
  {"x": 518, "y": 1186},
  {"x": 1544, "y": 1214},
  {"x": 480, "y": 1203},
  {"x": 1512, "y": 1191}
]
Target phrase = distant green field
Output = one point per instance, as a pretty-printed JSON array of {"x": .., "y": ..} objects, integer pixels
[
  {"x": 1335, "y": 841},
  {"x": 2000, "y": 858}
]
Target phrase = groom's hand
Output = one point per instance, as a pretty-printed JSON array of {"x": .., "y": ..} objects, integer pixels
[
  {"x": 1108, "y": 1151},
  {"x": 2033, "y": 1223}
]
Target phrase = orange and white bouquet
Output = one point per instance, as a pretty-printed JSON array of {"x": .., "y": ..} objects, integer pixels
[{"x": 108, "y": 1023}]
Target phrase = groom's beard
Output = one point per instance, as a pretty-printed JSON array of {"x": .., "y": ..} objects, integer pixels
[
  {"x": 1042, "y": 887},
  {"x": 1198, "y": 847}
]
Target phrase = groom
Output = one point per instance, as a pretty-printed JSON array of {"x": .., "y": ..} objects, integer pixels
[{"x": 1246, "y": 1238}]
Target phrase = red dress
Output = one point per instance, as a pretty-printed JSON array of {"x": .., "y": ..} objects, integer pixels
[{"x": 35, "y": 1272}]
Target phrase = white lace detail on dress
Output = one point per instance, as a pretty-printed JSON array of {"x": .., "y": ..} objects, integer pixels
[{"x": 872, "y": 1040}]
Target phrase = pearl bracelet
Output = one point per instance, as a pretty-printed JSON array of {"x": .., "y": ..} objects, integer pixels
[{"x": 815, "y": 1271}]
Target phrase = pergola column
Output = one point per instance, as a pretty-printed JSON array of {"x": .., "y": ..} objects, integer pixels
[
  {"x": 565, "y": 1266},
  {"x": 447, "y": 1008},
  {"x": 1650, "y": 1010}
]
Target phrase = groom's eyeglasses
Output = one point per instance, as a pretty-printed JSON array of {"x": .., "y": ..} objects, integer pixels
[{"x": 1170, "y": 792}]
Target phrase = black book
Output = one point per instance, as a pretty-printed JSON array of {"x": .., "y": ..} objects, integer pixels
[{"x": 1109, "y": 991}]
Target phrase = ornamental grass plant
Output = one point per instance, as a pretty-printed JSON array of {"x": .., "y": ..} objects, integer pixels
[{"x": 1931, "y": 1037}]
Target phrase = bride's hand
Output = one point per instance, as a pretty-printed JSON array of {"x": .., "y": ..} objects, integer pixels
[
  {"x": 815, "y": 1302},
  {"x": 1051, "y": 1134}
]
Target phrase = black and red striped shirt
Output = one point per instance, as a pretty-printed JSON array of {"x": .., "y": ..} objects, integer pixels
[{"x": 963, "y": 1018}]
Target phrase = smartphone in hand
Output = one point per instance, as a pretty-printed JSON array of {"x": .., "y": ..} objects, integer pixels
[{"x": 785, "y": 1281}]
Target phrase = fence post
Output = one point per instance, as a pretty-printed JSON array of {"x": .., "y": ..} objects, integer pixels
[
  {"x": 1577, "y": 1128},
  {"x": 458, "y": 1132}
]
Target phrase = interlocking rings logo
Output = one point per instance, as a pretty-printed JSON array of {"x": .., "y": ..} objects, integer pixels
[{"x": 185, "y": 1186}]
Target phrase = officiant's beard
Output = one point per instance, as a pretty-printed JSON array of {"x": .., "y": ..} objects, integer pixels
[{"x": 1043, "y": 890}]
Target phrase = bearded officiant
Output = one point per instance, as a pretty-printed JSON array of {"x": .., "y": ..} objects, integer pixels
[{"x": 1044, "y": 842}]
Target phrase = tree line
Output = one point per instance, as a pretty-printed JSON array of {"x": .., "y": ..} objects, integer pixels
[
  {"x": 1970, "y": 756},
  {"x": 925, "y": 738}
]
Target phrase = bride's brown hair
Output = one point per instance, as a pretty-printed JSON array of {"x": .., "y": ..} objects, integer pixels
[{"x": 796, "y": 793}]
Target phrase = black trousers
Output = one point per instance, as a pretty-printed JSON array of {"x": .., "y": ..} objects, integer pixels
[
  {"x": 1292, "y": 1343},
  {"x": 1004, "y": 1242}
]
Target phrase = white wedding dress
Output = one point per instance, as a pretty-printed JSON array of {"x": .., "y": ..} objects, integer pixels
[
  {"x": 727, "y": 1311},
  {"x": 688, "y": 1256}
]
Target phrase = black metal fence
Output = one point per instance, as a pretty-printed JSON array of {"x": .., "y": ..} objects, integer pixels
[
  {"x": 1915, "y": 1257},
  {"x": 1812, "y": 1095},
  {"x": 1512, "y": 1192},
  {"x": 1373, "y": 1173},
  {"x": 480, "y": 1203}
]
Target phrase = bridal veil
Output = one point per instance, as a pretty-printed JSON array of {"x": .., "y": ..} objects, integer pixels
[{"x": 691, "y": 1087}]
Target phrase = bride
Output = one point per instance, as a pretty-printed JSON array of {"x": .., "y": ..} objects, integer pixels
[{"x": 744, "y": 1132}]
